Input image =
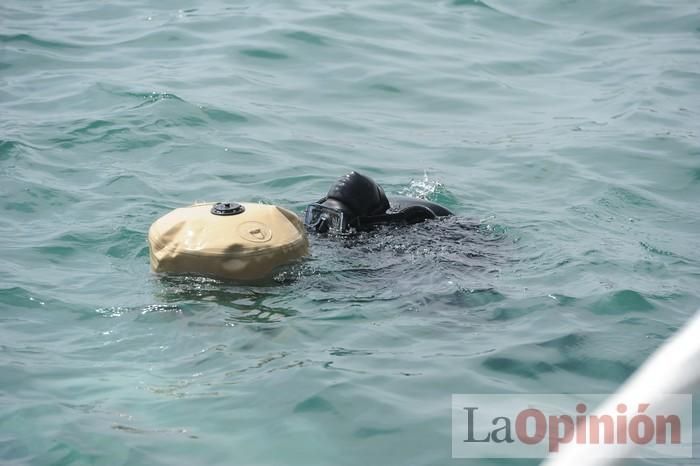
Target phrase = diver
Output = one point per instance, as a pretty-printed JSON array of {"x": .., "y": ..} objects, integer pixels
[
  {"x": 247, "y": 241},
  {"x": 356, "y": 203}
]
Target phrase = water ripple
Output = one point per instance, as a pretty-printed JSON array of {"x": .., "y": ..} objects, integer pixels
[{"x": 562, "y": 134}]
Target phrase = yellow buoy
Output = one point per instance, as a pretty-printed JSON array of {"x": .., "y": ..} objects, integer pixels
[{"x": 228, "y": 240}]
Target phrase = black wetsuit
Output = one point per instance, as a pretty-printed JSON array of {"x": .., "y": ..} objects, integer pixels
[{"x": 356, "y": 202}]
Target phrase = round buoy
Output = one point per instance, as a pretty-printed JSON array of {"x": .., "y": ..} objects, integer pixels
[{"x": 238, "y": 241}]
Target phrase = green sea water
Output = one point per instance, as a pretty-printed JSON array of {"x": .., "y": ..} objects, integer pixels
[{"x": 563, "y": 134}]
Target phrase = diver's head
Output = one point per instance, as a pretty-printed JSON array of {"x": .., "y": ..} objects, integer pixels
[
  {"x": 356, "y": 202},
  {"x": 352, "y": 197},
  {"x": 359, "y": 194}
]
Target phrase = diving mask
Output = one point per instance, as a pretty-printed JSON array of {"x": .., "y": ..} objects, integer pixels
[{"x": 324, "y": 218}]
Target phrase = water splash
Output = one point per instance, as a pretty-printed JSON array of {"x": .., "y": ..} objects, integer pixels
[{"x": 425, "y": 188}]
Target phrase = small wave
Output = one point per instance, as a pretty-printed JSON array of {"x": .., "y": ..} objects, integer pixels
[
  {"x": 30, "y": 39},
  {"x": 656, "y": 250},
  {"x": 477, "y": 3},
  {"x": 307, "y": 37},
  {"x": 264, "y": 54},
  {"x": 149, "y": 96},
  {"x": 621, "y": 302},
  {"x": 10, "y": 147},
  {"x": 164, "y": 39}
]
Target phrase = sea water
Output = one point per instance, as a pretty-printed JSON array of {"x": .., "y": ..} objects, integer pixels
[{"x": 562, "y": 133}]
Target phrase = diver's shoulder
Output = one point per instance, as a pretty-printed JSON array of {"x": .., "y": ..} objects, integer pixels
[{"x": 400, "y": 203}]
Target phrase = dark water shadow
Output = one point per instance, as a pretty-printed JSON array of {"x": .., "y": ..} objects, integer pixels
[{"x": 391, "y": 266}]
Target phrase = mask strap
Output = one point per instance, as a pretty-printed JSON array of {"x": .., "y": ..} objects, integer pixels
[
  {"x": 406, "y": 215},
  {"x": 376, "y": 219}
]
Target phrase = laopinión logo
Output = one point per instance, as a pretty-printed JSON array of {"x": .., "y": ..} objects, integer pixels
[{"x": 537, "y": 426}]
